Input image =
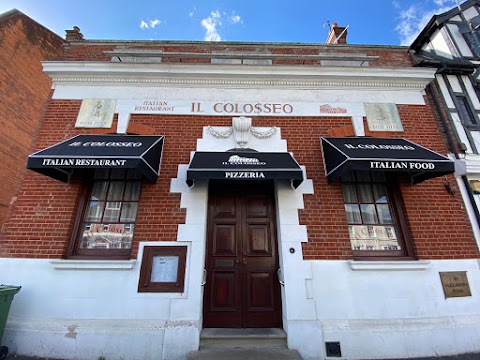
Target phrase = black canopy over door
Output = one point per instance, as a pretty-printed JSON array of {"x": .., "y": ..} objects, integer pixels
[{"x": 244, "y": 165}]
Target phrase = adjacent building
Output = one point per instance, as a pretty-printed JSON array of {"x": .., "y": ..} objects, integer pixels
[
  {"x": 451, "y": 42},
  {"x": 25, "y": 89},
  {"x": 179, "y": 186}
]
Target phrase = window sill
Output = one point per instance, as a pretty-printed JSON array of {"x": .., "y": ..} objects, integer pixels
[
  {"x": 93, "y": 264},
  {"x": 410, "y": 265}
]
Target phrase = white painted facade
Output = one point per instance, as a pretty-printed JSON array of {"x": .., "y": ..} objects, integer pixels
[
  {"x": 382, "y": 311},
  {"x": 83, "y": 309}
]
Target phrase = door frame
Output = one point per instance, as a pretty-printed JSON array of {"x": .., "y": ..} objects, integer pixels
[{"x": 241, "y": 278}]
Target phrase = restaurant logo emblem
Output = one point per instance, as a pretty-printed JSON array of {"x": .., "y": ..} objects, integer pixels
[
  {"x": 327, "y": 109},
  {"x": 238, "y": 160}
]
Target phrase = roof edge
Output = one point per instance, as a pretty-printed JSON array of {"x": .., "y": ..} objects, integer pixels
[
  {"x": 11, "y": 14},
  {"x": 87, "y": 42}
]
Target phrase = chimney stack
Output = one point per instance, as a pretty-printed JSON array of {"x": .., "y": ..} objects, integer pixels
[
  {"x": 74, "y": 34},
  {"x": 337, "y": 35}
]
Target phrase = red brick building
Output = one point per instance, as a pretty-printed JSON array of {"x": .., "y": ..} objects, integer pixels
[
  {"x": 25, "y": 89},
  {"x": 271, "y": 185}
]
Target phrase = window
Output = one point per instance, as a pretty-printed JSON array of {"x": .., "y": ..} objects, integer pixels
[
  {"x": 109, "y": 215},
  {"x": 471, "y": 37},
  {"x": 373, "y": 209},
  {"x": 465, "y": 110}
]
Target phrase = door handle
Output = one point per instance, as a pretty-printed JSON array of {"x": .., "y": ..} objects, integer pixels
[
  {"x": 280, "y": 277},
  {"x": 244, "y": 261},
  {"x": 204, "y": 279}
]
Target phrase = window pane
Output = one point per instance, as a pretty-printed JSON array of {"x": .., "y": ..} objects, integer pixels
[
  {"x": 387, "y": 238},
  {"x": 380, "y": 193},
  {"x": 384, "y": 214},
  {"x": 353, "y": 214},
  {"x": 369, "y": 214},
  {"x": 472, "y": 40},
  {"x": 465, "y": 111},
  {"x": 377, "y": 238},
  {"x": 95, "y": 211},
  {"x": 132, "y": 191},
  {"x": 112, "y": 211},
  {"x": 99, "y": 190},
  {"x": 107, "y": 236},
  {"x": 129, "y": 212},
  {"x": 364, "y": 193},
  {"x": 349, "y": 194},
  {"x": 116, "y": 190}
]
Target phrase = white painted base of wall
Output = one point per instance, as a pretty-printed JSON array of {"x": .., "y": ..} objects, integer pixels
[
  {"x": 386, "y": 311},
  {"x": 86, "y": 310},
  {"x": 381, "y": 313},
  {"x": 89, "y": 339}
]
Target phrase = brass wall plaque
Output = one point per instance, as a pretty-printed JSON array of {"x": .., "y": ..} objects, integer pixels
[{"x": 455, "y": 284}]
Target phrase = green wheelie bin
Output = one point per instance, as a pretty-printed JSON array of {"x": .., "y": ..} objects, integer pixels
[{"x": 7, "y": 292}]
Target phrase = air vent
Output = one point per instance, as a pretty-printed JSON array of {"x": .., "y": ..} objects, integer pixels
[{"x": 333, "y": 349}]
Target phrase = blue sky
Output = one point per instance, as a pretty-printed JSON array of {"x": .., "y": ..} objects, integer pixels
[{"x": 379, "y": 22}]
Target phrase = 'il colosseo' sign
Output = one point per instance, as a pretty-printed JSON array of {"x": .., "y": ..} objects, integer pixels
[
  {"x": 117, "y": 144},
  {"x": 274, "y": 107},
  {"x": 237, "y": 160}
]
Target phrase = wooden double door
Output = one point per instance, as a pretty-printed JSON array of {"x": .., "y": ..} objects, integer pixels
[{"x": 242, "y": 288}]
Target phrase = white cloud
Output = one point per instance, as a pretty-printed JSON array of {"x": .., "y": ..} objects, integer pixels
[
  {"x": 150, "y": 24},
  {"x": 413, "y": 19},
  {"x": 211, "y": 24},
  {"x": 191, "y": 13},
  {"x": 235, "y": 19},
  {"x": 445, "y": 3},
  {"x": 154, "y": 23}
]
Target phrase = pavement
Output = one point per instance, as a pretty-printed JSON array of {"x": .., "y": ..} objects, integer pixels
[{"x": 256, "y": 356}]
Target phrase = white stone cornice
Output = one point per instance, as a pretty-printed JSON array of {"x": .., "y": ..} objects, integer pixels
[{"x": 238, "y": 76}]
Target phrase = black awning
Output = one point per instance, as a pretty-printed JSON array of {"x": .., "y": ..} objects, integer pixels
[
  {"x": 243, "y": 165},
  {"x": 341, "y": 155},
  {"x": 142, "y": 153}
]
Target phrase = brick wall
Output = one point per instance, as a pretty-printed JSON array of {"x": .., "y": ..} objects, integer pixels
[
  {"x": 43, "y": 216},
  {"x": 388, "y": 56},
  {"x": 24, "y": 91}
]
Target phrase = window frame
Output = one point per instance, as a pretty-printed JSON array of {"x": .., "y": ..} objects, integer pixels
[
  {"x": 473, "y": 121},
  {"x": 86, "y": 189},
  {"x": 471, "y": 37},
  {"x": 397, "y": 207}
]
